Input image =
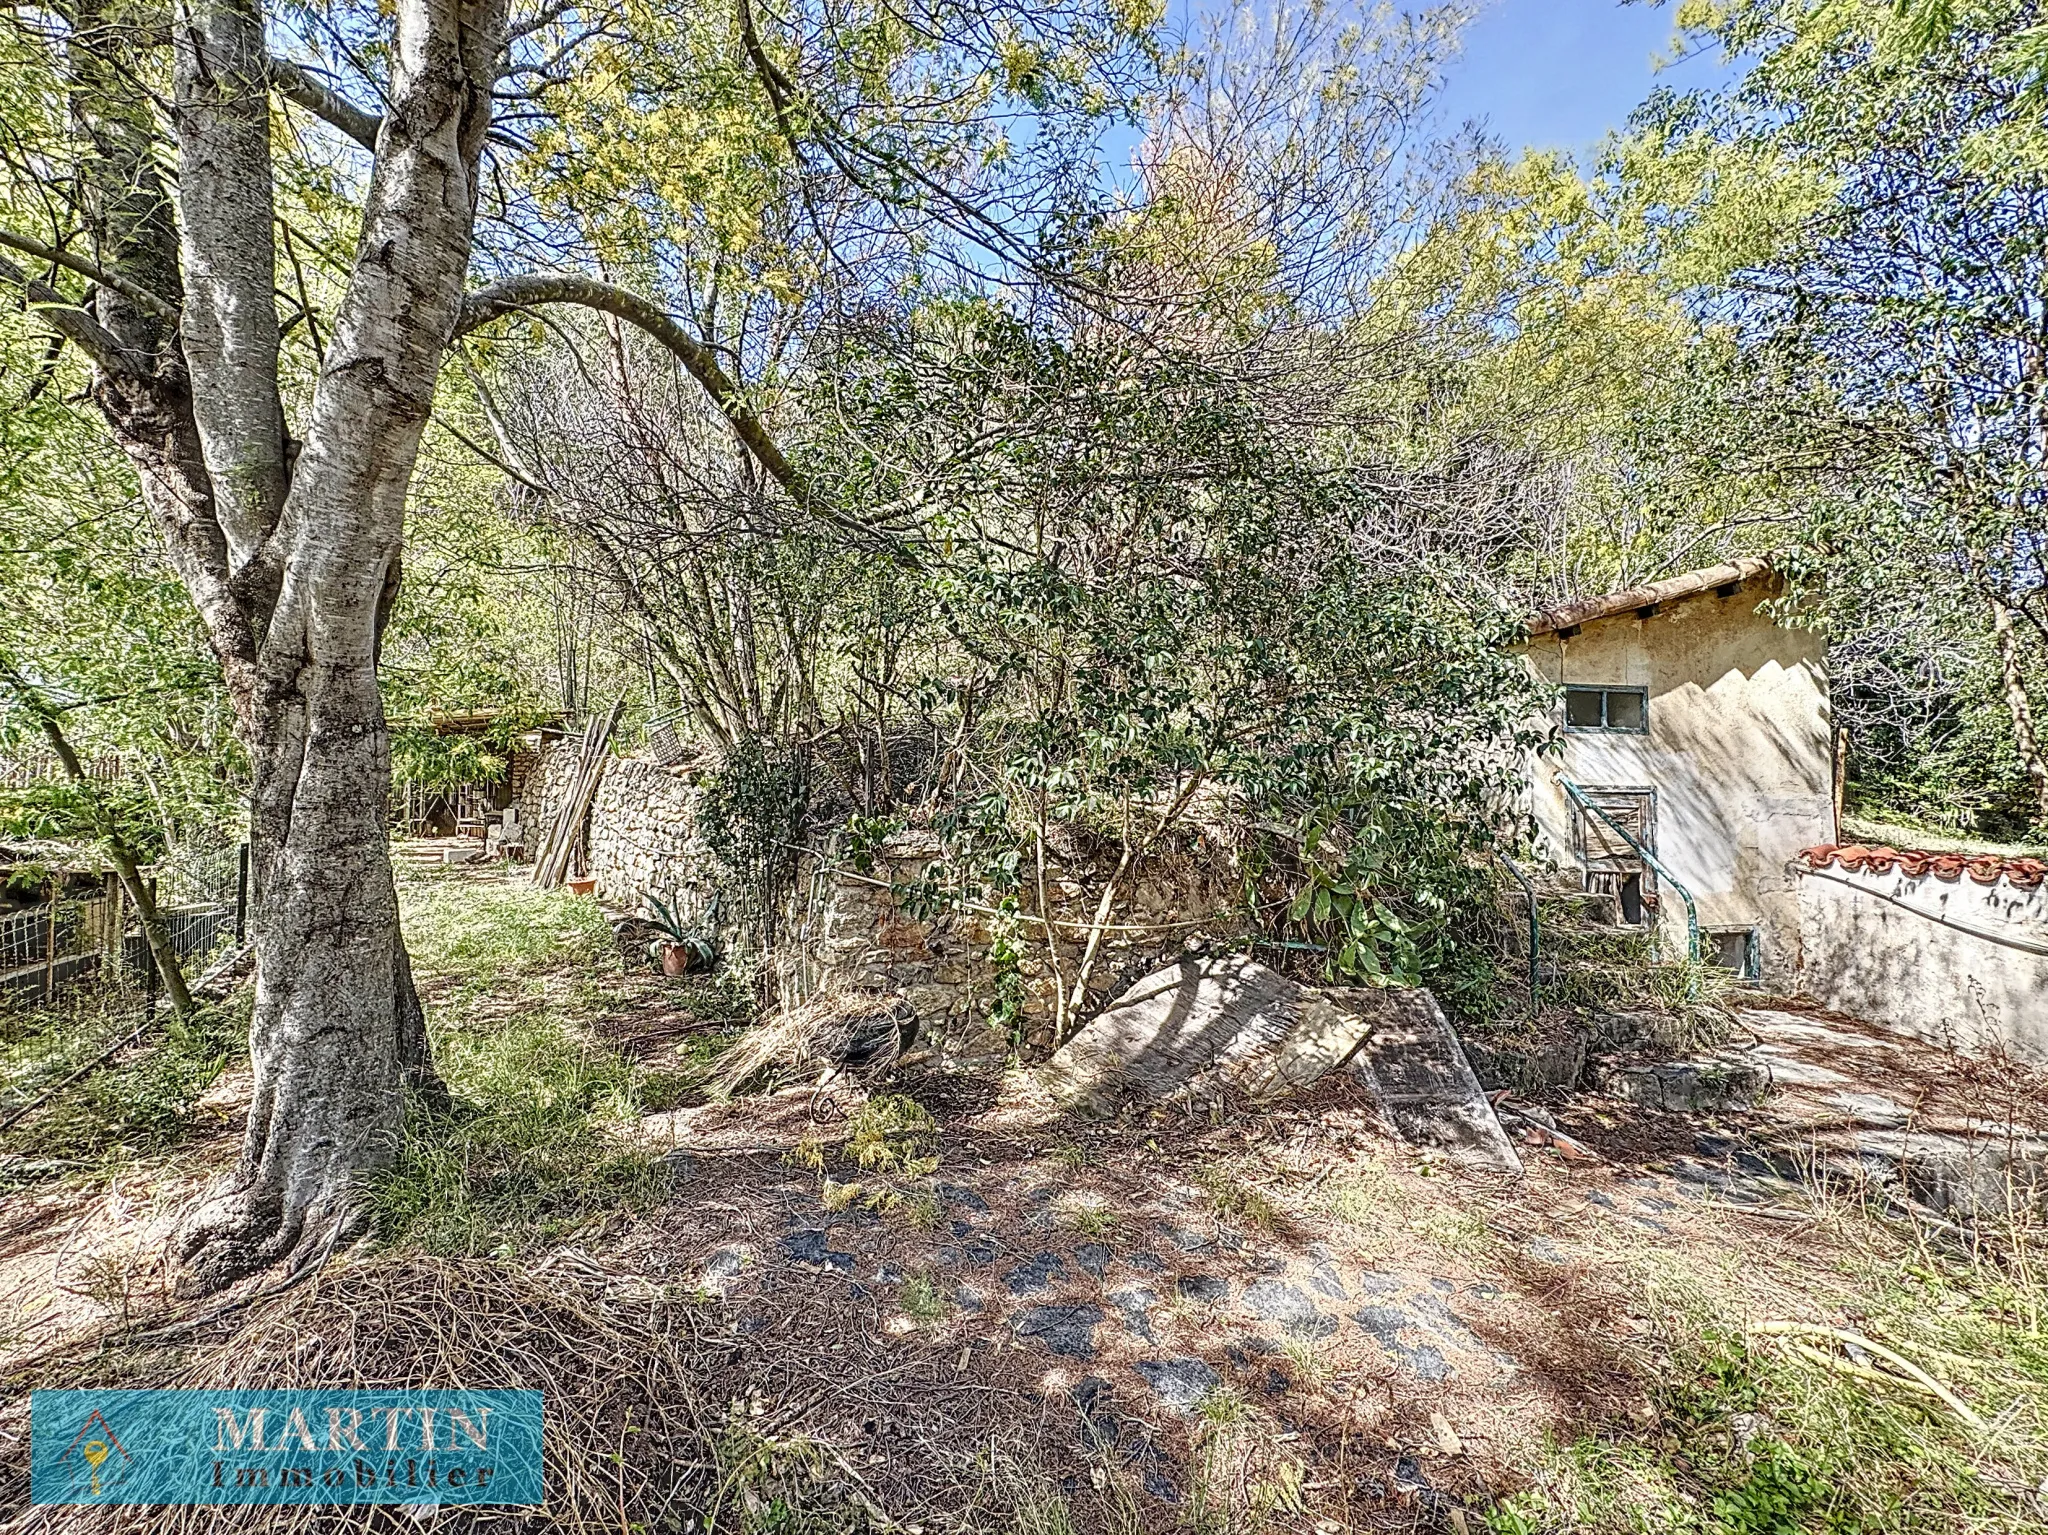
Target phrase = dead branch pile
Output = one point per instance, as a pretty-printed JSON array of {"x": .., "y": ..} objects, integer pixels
[
  {"x": 860, "y": 1035},
  {"x": 661, "y": 1414}
]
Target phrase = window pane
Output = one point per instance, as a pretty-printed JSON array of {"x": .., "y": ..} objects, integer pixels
[
  {"x": 1582, "y": 708},
  {"x": 1731, "y": 950},
  {"x": 1624, "y": 711}
]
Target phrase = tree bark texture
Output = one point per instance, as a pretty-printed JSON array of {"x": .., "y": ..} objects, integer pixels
[
  {"x": 2019, "y": 705},
  {"x": 291, "y": 551},
  {"x": 337, "y": 1028}
]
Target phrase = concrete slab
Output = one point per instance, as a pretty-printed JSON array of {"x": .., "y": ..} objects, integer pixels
[
  {"x": 1202, "y": 1012},
  {"x": 1417, "y": 1069}
]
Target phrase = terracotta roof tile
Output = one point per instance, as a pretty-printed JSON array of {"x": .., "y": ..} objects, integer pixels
[
  {"x": 1982, "y": 868},
  {"x": 1693, "y": 583}
]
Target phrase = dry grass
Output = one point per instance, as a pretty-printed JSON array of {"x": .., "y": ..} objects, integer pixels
[
  {"x": 660, "y": 1410},
  {"x": 834, "y": 1031}
]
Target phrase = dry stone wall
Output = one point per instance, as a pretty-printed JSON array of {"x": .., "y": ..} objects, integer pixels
[
  {"x": 540, "y": 783},
  {"x": 978, "y": 979},
  {"x": 644, "y": 837}
]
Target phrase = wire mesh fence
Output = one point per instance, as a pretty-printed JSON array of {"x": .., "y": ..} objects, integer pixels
[
  {"x": 196, "y": 875},
  {"x": 55, "y": 944},
  {"x": 76, "y": 936}
]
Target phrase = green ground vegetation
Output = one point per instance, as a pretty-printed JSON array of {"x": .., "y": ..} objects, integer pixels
[
  {"x": 529, "y": 1149},
  {"x": 1774, "y": 1411}
]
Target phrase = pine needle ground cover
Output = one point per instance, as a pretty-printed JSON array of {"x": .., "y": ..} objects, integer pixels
[{"x": 937, "y": 1304}]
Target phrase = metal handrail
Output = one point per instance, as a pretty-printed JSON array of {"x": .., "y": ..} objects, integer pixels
[
  {"x": 1535, "y": 932},
  {"x": 1692, "y": 910}
]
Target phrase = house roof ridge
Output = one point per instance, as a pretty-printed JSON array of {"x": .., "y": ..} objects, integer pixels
[{"x": 1691, "y": 583}]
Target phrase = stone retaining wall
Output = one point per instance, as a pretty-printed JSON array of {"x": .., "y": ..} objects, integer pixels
[
  {"x": 644, "y": 840},
  {"x": 540, "y": 783},
  {"x": 980, "y": 979}
]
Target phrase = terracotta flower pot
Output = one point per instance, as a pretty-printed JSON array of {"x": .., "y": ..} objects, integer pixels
[
  {"x": 675, "y": 959},
  {"x": 582, "y": 886}
]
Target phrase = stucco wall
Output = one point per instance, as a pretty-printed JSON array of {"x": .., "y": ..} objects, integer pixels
[
  {"x": 1874, "y": 948},
  {"x": 1739, "y": 752}
]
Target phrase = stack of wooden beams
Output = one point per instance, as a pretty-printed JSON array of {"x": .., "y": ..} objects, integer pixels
[{"x": 564, "y": 835}]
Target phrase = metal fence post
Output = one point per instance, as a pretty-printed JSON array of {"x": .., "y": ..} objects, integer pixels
[
  {"x": 50, "y": 949},
  {"x": 242, "y": 894}
]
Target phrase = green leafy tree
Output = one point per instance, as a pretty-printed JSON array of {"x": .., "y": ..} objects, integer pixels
[{"x": 1898, "y": 287}]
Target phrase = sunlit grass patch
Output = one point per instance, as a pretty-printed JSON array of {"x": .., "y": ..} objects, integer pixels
[
  {"x": 1232, "y": 1194},
  {"x": 893, "y": 1135},
  {"x": 528, "y": 1151},
  {"x": 481, "y": 935},
  {"x": 1087, "y": 1214},
  {"x": 922, "y": 1299},
  {"x": 1361, "y": 1194}
]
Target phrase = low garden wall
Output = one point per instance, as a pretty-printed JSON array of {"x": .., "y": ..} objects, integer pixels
[
  {"x": 1942, "y": 947},
  {"x": 983, "y": 980},
  {"x": 644, "y": 839},
  {"x": 540, "y": 783},
  {"x": 980, "y": 979}
]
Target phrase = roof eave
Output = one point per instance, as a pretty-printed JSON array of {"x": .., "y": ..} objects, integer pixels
[{"x": 1657, "y": 594}]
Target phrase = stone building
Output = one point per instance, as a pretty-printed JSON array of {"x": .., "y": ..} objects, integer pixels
[{"x": 1694, "y": 756}]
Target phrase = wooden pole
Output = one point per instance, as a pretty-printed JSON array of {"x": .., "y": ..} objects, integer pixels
[{"x": 553, "y": 861}]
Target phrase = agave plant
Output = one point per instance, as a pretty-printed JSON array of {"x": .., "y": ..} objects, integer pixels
[{"x": 699, "y": 940}]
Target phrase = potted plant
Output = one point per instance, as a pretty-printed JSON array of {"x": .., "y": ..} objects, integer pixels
[{"x": 682, "y": 947}]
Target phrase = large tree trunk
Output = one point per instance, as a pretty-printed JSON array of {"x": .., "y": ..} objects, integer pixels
[
  {"x": 2019, "y": 705},
  {"x": 337, "y": 1030},
  {"x": 291, "y": 552}
]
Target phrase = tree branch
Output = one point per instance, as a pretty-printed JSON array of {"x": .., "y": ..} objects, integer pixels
[
  {"x": 73, "y": 323},
  {"x": 107, "y": 827},
  {"x": 228, "y": 252},
  {"x": 293, "y": 83},
  {"x": 28, "y": 245},
  {"x": 513, "y": 293}
]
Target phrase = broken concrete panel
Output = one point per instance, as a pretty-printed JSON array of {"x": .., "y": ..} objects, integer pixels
[
  {"x": 1231, "y": 1016},
  {"x": 1417, "y": 1069},
  {"x": 1204, "y": 1011},
  {"x": 1334, "y": 1023},
  {"x": 1694, "y": 1087},
  {"x": 1966, "y": 1178}
]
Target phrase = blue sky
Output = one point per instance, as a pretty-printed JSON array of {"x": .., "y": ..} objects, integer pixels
[{"x": 1558, "y": 74}]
